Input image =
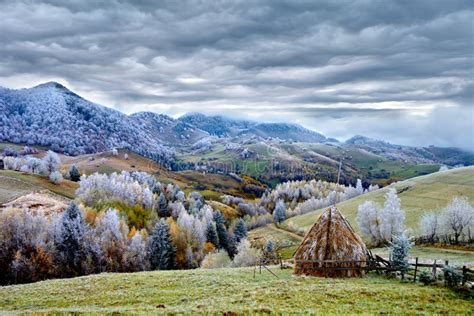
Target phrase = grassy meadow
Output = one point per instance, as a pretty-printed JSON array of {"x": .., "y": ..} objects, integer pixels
[
  {"x": 14, "y": 184},
  {"x": 229, "y": 290}
]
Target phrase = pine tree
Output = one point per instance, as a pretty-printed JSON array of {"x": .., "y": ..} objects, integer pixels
[
  {"x": 399, "y": 249},
  {"x": 70, "y": 247},
  {"x": 240, "y": 230},
  {"x": 279, "y": 214},
  {"x": 211, "y": 235},
  {"x": 269, "y": 247},
  {"x": 74, "y": 174},
  {"x": 161, "y": 207},
  {"x": 161, "y": 252},
  {"x": 225, "y": 241}
]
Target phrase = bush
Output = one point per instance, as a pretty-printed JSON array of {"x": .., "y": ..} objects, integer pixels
[
  {"x": 451, "y": 277},
  {"x": 56, "y": 177},
  {"x": 426, "y": 278},
  {"x": 214, "y": 260},
  {"x": 74, "y": 174},
  {"x": 246, "y": 255}
]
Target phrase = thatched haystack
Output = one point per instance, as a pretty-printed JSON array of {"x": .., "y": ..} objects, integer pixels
[{"x": 331, "y": 248}]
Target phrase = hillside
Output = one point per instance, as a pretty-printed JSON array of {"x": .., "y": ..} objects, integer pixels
[
  {"x": 51, "y": 115},
  {"x": 228, "y": 291},
  {"x": 418, "y": 195},
  {"x": 15, "y": 184}
]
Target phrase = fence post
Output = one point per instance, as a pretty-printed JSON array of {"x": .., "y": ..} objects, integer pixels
[
  {"x": 464, "y": 272},
  {"x": 445, "y": 273},
  {"x": 416, "y": 268},
  {"x": 434, "y": 270}
]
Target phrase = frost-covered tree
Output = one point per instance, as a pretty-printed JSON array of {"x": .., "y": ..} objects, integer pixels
[
  {"x": 368, "y": 219},
  {"x": 457, "y": 218},
  {"x": 55, "y": 177},
  {"x": 240, "y": 230},
  {"x": 359, "y": 187},
  {"x": 215, "y": 260},
  {"x": 399, "y": 249},
  {"x": 160, "y": 250},
  {"x": 393, "y": 217},
  {"x": 74, "y": 174},
  {"x": 34, "y": 164},
  {"x": 111, "y": 234},
  {"x": 246, "y": 255},
  {"x": 161, "y": 206},
  {"x": 135, "y": 255},
  {"x": 279, "y": 214},
  {"x": 51, "y": 162},
  {"x": 430, "y": 226},
  {"x": 70, "y": 240}
]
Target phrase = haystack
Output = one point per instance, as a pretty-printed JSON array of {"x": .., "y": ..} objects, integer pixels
[{"x": 331, "y": 248}]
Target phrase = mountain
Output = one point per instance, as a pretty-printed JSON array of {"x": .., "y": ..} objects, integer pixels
[
  {"x": 50, "y": 115},
  {"x": 221, "y": 126},
  {"x": 217, "y": 125},
  {"x": 410, "y": 154},
  {"x": 168, "y": 130}
]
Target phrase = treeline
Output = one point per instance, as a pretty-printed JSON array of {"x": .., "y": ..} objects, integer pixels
[
  {"x": 293, "y": 198},
  {"x": 121, "y": 222}
]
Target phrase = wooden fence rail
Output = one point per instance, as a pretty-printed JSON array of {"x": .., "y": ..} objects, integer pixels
[{"x": 381, "y": 264}]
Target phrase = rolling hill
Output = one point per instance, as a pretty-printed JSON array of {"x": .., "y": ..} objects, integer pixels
[{"x": 418, "y": 195}]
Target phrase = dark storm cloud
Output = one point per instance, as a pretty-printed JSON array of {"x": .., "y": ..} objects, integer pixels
[{"x": 339, "y": 67}]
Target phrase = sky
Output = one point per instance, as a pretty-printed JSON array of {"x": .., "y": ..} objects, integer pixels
[{"x": 401, "y": 71}]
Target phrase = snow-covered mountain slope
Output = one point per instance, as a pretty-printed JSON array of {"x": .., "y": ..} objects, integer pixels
[
  {"x": 225, "y": 127},
  {"x": 51, "y": 115}
]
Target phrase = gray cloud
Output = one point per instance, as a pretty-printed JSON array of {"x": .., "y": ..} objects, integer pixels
[{"x": 394, "y": 70}]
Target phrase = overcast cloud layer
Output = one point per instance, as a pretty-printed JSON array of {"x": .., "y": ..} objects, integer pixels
[{"x": 395, "y": 70}]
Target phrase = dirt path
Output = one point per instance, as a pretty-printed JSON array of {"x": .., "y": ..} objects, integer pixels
[{"x": 275, "y": 228}]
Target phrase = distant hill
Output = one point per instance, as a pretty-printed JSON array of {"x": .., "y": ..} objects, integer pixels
[
  {"x": 410, "y": 154},
  {"x": 225, "y": 127}
]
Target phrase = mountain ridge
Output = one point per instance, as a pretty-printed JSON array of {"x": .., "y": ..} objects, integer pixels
[{"x": 53, "y": 116}]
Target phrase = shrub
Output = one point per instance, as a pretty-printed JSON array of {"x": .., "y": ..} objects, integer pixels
[
  {"x": 214, "y": 260},
  {"x": 451, "y": 277},
  {"x": 55, "y": 177},
  {"x": 246, "y": 255},
  {"x": 426, "y": 278}
]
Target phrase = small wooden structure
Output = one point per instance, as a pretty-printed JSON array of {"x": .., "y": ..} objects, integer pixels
[{"x": 331, "y": 248}]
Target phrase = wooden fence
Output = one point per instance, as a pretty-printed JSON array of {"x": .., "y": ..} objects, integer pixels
[{"x": 380, "y": 264}]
